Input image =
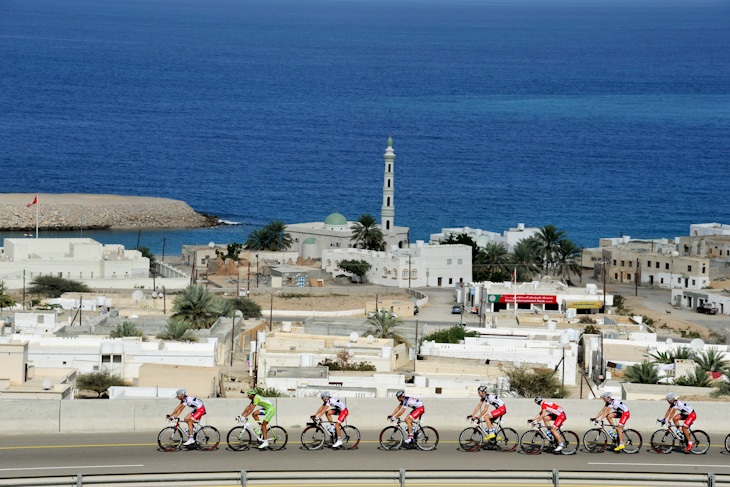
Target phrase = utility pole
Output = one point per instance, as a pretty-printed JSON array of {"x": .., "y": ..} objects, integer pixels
[
  {"x": 164, "y": 301},
  {"x": 409, "y": 268},
  {"x": 257, "y": 270},
  {"x": 238, "y": 281},
  {"x": 164, "y": 241},
  {"x": 415, "y": 355},
  {"x": 139, "y": 235},
  {"x": 23, "y": 288},
  {"x": 81, "y": 309},
  {"x": 248, "y": 281},
  {"x": 636, "y": 278},
  {"x": 603, "y": 268},
  {"x": 271, "y": 309}
]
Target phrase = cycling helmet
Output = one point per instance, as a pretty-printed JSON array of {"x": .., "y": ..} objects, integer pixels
[
  {"x": 325, "y": 394},
  {"x": 400, "y": 394},
  {"x": 180, "y": 392},
  {"x": 250, "y": 392},
  {"x": 606, "y": 395},
  {"x": 538, "y": 400},
  {"x": 671, "y": 396},
  {"x": 482, "y": 389}
]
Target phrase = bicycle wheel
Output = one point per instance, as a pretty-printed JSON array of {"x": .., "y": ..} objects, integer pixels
[
  {"x": 350, "y": 437},
  {"x": 701, "y": 442},
  {"x": 470, "y": 439},
  {"x": 207, "y": 438},
  {"x": 662, "y": 441},
  {"x": 570, "y": 443},
  {"x": 313, "y": 438},
  {"x": 239, "y": 439},
  {"x": 632, "y": 441},
  {"x": 507, "y": 439},
  {"x": 391, "y": 438},
  {"x": 727, "y": 443},
  {"x": 277, "y": 437},
  {"x": 531, "y": 442},
  {"x": 595, "y": 440},
  {"x": 426, "y": 438},
  {"x": 170, "y": 438}
]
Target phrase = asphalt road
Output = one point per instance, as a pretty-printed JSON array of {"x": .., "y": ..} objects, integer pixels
[{"x": 66, "y": 454}]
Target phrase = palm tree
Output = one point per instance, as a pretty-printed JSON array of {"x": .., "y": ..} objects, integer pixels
[
  {"x": 366, "y": 234},
  {"x": 492, "y": 261},
  {"x": 567, "y": 259},
  {"x": 712, "y": 360},
  {"x": 126, "y": 329},
  {"x": 643, "y": 373},
  {"x": 668, "y": 357},
  {"x": 384, "y": 324},
  {"x": 525, "y": 257},
  {"x": 195, "y": 306},
  {"x": 177, "y": 330},
  {"x": 257, "y": 240},
  {"x": 547, "y": 242},
  {"x": 698, "y": 378},
  {"x": 278, "y": 238}
]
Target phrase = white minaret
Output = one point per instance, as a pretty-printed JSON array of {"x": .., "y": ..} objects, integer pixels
[{"x": 387, "y": 212}]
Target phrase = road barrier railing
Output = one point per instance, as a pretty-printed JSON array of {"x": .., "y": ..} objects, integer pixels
[{"x": 401, "y": 477}]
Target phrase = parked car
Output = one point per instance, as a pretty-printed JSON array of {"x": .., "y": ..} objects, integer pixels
[
  {"x": 456, "y": 309},
  {"x": 707, "y": 309}
]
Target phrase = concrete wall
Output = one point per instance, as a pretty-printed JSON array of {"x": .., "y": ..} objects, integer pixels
[{"x": 292, "y": 413}]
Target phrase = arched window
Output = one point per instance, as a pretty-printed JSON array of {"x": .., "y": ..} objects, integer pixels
[
  {"x": 385, "y": 272},
  {"x": 414, "y": 274},
  {"x": 395, "y": 273},
  {"x": 387, "y": 225},
  {"x": 388, "y": 167},
  {"x": 388, "y": 203},
  {"x": 389, "y": 183},
  {"x": 405, "y": 273},
  {"x": 337, "y": 265},
  {"x": 329, "y": 263}
]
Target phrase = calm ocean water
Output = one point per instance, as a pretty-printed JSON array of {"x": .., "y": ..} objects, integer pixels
[{"x": 599, "y": 117}]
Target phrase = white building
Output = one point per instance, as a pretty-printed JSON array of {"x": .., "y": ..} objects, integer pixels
[
  {"x": 37, "y": 322},
  {"x": 421, "y": 265},
  {"x": 715, "y": 298},
  {"x": 483, "y": 237},
  {"x": 704, "y": 229}
]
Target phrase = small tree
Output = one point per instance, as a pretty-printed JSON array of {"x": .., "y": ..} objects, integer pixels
[
  {"x": 384, "y": 326},
  {"x": 455, "y": 334},
  {"x": 99, "y": 382},
  {"x": 698, "y": 378},
  {"x": 5, "y": 300},
  {"x": 177, "y": 330},
  {"x": 357, "y": 267},
  {"x": 232, "y": 251},
  {"x": 54, "y": 287},
  {"x": 535, "y": 382},
  {"x": 126, "y": 329},
  {"x": 643, "y": 373},
  {"x": 248, "y": 308},
  {"x": 271, "y": 392},
  {"x": 196, "y": 306}
]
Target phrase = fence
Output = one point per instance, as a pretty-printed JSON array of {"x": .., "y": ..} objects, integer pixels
[{"x": 400, "y": 477}]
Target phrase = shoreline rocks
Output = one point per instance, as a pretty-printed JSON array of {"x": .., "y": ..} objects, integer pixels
[{"x": 93, "y": 212}]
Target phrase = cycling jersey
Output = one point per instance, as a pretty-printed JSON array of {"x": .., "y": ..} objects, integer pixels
[
  {"x": 552, "y": 408},
  {"x": 618, "y": 406},
  {"x": 333, "y": 402},
  {"x": 683, "y": 407},
  {"x": 412, "y": 402},
  {"x": 493, "y": 400},
  {"x": 193, "y": 402},
  {"x": 261, "y": 402}
]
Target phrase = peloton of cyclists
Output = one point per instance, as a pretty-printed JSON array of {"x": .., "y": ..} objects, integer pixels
[
  {"x": 416, "y": 411},
  {"x": 331, "y": 406},
  {"x": 549, "y": 411},
  {"x": 680, "y": 411},
  {"x": 197, "y": 413},
  {"x": 267, "y": 409},
  {"x": 486, "y": 400},
  {"x": 614, "y": 408}
]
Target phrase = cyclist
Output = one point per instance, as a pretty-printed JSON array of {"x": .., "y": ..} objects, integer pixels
[
  {"x": 195, "y": 415},
  {"x": 496, "y": 402},
  {"x": 338, "y": 407},
  {"x": 677, "y": 411},
  {"x": 549, "y": 411},
  {"x": 416, "y": 412},
  {"x": 267, "y": 410},
  {"x": 614, "y": 408}
]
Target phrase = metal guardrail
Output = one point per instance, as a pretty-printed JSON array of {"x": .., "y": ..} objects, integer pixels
[{"x": 401, "y": 476}]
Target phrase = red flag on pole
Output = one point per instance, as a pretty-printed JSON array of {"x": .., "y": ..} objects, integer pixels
[{"x": 35, "y": 202}]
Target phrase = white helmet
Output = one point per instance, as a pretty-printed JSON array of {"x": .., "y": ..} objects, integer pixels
[
  {"x": 400, "y": 394},
  {"x": 325, "y": 394},
  {"x": 180, "y": 392},
  {"x": 482, "y": 389},
  {"x": 671, "y": 396},
  {"x": 606, "y": 395}
]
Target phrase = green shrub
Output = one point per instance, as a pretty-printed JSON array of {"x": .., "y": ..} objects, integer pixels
[
  {"x": 455, "y": 334},
  {"x": 54, "y": 287},
  {"x": 271, "y": 392},
  {"x": 99, "y": 382},
  {"x": 535, "y": 382}
]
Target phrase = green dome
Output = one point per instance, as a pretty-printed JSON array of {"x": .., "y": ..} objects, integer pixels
[
  {"x": 335, "y": 219},
  {"x": 390, "y": 141},
  {"x": 310, "y": 240}
]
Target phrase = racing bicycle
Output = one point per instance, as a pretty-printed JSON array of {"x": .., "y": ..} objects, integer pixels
[
  {"x": 663, "y": 440},
  {"x": 540, "y": 438},
  {"x": 472, "y": 438},
  {"x": 319, "y": 432},
  {"x": 242, "y": 437},
  {"x": 171, "y": 437},
  {"x": 596, "y": 439},
  {"x": 392, "y": 437}
]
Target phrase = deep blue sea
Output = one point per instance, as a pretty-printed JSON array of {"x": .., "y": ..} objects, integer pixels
[{"x": 598, "y": 116}]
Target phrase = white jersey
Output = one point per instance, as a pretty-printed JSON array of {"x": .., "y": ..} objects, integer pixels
[
  {"x": 412, "y": 402},
  {"x": 193, "y": 402},
  {"x": 618, "y": 406},
  {"x": 333, "y": 402},
  {"x": 683, "y": 407},
  {"x": 494, "y": 400}
]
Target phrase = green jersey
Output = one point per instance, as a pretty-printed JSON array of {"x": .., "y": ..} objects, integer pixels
[{"x": 261, "y": 402}]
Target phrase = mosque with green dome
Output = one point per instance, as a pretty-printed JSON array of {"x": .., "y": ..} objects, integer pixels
[{"x": 310, "y": 239}]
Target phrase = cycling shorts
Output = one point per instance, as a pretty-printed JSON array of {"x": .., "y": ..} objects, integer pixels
[
  {"x": 342, "y": 414},
  {"x": 558, "y": 420},
  {"x": 416, "y": 413},
  {"x": 501, "y": 410},
  {"x": 689, "y": 418},
  {"x": 267, "y": 414},
  {"x": 623, "y": 417},
  {"x": 198, "y": 413}
]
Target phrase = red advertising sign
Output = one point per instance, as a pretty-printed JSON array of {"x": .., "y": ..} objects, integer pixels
[{"x": 522, "y": 298}]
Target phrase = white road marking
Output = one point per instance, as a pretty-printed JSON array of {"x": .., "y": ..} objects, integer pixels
[
  {"x": 78, "y": 466},
  {"x": 659, "y": 464}
]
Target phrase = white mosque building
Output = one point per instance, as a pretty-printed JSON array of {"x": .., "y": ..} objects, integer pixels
[{"x": 311, "y": 239}]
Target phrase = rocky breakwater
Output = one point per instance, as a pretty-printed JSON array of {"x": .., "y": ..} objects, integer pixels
[{"x": 74, "y": 211}]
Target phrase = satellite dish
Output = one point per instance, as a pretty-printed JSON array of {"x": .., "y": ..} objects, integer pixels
[
  {"x": 160, "y": 295},
  {"x": 354, "y": 336},
  {"x": 211, "y": 245},
  {"x": 545, "y": 317},
  {"x": 669, "y": 341},
  {"x": 114, "y": 313},
  {"x": 47, "y": 384},
  {"x": 138, "y": 295},
  {"x": 371, "y": 339},
  {"x": 154, "y": 294},
  {"x": 697, "y": 344},
  {"x": 238, "y": 313}
]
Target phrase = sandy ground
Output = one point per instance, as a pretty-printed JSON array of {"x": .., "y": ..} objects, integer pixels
[
  {"x": 662, "y": 321},
  {"x": 300, "y": 300}
]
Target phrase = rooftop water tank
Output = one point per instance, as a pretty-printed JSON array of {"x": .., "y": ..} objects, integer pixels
[{"x": 306, "y": 360}]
